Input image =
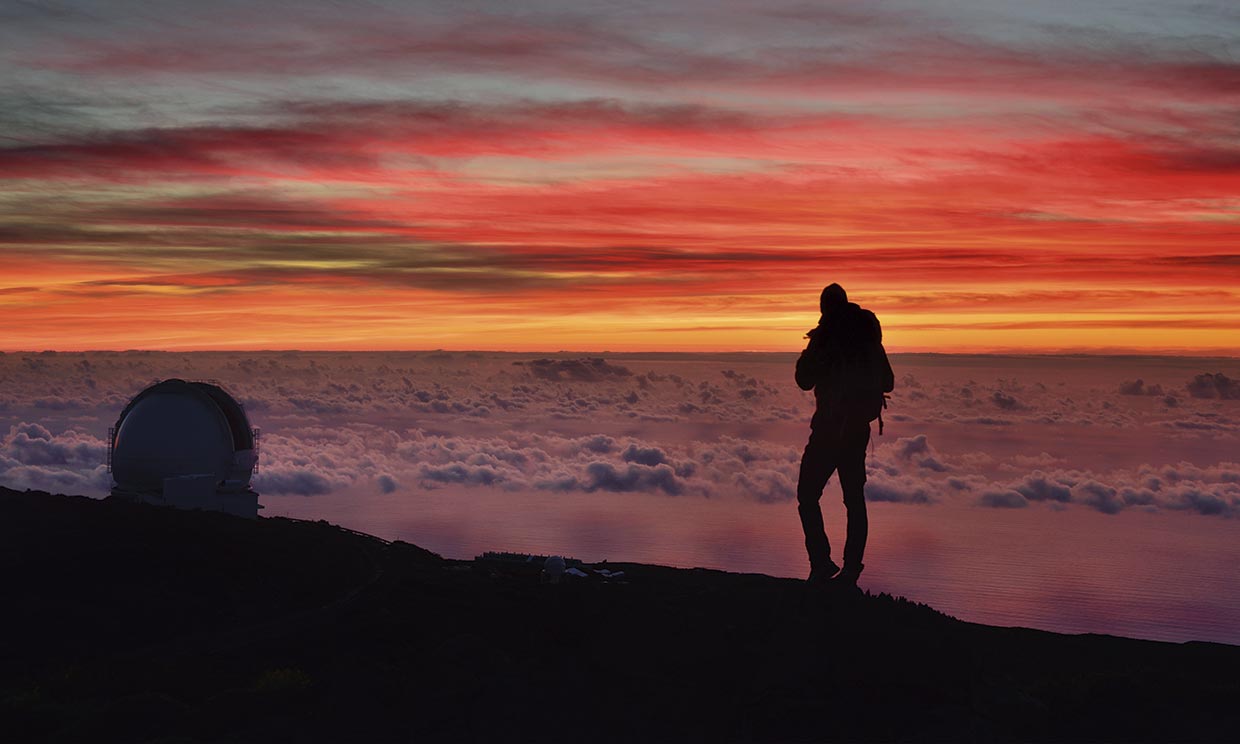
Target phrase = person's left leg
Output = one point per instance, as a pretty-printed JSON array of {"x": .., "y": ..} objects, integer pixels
[
  {"x": 816, "y": 468},
  {"x": 852, "y": 481}
]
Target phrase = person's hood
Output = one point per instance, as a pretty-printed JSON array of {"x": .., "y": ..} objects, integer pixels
[{"x": 846, "y": 310}]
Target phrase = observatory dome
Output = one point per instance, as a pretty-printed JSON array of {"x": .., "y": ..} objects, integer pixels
[{"x": 184, "y": 444}]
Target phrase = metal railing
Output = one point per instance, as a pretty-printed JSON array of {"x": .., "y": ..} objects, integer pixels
[{"x": 254, "y": 432}]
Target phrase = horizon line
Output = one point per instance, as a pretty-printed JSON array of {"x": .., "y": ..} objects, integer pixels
[{"x": 1102, "y": 353}]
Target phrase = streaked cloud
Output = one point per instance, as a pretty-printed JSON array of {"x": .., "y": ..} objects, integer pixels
[{"x": 987, "y": 176}]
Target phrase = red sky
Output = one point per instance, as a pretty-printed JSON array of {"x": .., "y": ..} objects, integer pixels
[{"x": 1032, "y": 177}]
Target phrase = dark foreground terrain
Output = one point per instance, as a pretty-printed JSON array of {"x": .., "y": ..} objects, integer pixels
[{"x": 123, "y": 622}]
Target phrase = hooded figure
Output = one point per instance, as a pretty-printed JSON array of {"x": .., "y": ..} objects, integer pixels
[
  {"x": 845, "y": 365},
  {"x": 842, "y": 363}
]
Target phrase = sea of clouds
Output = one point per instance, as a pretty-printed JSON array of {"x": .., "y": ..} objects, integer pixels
[{"x": 1106, "y": 434}]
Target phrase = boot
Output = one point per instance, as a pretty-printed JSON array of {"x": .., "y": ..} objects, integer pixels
[
  {"x": 847, "y": 578},
  {"x": 820, "y": 574}
]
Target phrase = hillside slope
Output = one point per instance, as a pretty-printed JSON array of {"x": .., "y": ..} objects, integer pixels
[{"x": 128, "y": 622}]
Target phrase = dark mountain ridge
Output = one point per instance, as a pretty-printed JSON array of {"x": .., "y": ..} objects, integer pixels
[{"x": 125, "y": 622}]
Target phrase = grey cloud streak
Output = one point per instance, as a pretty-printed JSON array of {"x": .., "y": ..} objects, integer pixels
[{"x": 787, "y": 43}]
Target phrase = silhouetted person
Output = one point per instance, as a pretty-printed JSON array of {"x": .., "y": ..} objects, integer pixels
[{"x": 846, "y": 367}]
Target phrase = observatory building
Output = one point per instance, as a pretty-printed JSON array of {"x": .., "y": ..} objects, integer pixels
[{"x": 185, "y": 444}]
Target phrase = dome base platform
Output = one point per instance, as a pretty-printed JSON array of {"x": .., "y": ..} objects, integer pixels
[{"x": 200, "y": 492}]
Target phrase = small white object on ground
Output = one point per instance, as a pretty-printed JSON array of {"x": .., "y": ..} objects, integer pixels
[{"x": 553, "y": 569}]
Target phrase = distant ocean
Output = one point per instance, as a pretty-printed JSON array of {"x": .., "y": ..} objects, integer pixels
[
  {"x": 1167, "y": 577},
  {"x": 1074, "y": 494}
]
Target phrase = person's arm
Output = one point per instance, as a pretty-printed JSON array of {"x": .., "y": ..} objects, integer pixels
[
  {"x": 806, "y": 374},
  {"x": 809, "y": 364}
]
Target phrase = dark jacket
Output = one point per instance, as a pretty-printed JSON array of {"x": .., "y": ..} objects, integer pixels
[{"x": 847, "y": 334}]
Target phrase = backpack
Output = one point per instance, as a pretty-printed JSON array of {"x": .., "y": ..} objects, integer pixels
[
  {"x": 857, "y": 374},
  {"x": 861, "y": 383}
]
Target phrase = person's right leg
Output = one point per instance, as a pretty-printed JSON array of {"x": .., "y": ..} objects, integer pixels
[{"x": 816, "y": 469}]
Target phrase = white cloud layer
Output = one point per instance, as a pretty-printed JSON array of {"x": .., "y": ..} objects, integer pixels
[{"x": 1103, "y": 436}]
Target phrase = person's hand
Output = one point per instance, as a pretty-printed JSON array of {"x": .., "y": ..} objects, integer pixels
[{"x": 817, "y": 341}]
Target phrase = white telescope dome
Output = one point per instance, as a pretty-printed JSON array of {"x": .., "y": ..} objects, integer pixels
[{"x": 177, "y": 440}]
